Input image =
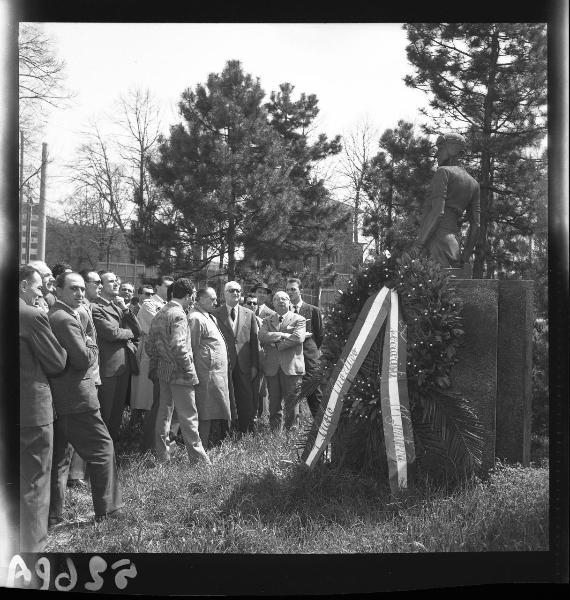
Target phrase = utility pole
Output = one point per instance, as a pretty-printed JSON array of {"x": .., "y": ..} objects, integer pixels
[
  {"x": 21, "y": 196},
  {"x": 42, "y": 207}
]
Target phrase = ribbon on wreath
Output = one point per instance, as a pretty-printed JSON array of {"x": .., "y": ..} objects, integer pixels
[{"x": 397, "y": 425}]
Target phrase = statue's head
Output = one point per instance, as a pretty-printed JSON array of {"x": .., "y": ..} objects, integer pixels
[{"x": 450, "y": 146}]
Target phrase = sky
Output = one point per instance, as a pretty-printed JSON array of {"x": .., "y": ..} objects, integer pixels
[{"x": 356, "y": 71}]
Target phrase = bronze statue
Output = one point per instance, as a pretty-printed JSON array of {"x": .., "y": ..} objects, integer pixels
[{"x": 452, "y": 192}]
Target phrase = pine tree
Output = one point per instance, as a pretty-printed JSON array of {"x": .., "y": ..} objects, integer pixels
[
  {"x": 224, "y": 171},
  {"x": 488, "y": 81},
  {"x": 315, "y": 220},
  {"x": 396, "y": 184}
]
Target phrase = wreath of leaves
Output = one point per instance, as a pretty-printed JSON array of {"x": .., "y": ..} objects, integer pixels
[{"x": 445, "y": 424}]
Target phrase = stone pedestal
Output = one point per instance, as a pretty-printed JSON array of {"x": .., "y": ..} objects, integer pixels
[
  {"x": 514, "y": 364},
  {"x": 495, "y": 361},
  {"x": 475, "y": 375}
]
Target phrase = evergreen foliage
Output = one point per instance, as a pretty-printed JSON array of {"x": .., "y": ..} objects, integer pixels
[
  {"x": 396, "y": 183},
  {"x": 238, "y": 175}
]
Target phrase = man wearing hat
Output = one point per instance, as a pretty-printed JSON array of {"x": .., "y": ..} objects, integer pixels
[
  {"x": 452, "y": 192},
  {"x": 263, "y": 294}
]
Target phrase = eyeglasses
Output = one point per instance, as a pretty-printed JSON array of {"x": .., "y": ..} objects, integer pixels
[
  {"x": 249, "y": 303},
  {"x": 96, "y": 282},
  {"x": 147, "y": 293},
  {"x": 234, "y": 291}
]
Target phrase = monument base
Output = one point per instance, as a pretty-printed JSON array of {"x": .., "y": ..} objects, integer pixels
[{"x": 495, "y": 361}]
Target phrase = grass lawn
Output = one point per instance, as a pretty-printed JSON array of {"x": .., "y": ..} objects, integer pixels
[{"x": 257, "y": 498}]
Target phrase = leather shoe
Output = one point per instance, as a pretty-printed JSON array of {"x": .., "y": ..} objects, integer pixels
[
  {"x": 118, "y": 513},
  {"x": 53, "y": 521},
  {"x": 77, "y": 483}
]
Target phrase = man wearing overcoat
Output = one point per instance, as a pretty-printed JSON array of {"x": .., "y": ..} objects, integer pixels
[
  {"x": 239, "y": 328},
  {"x": 76, "y": 403},
  {"x": 41, "y": 356},
  {"x": 117, "y": 330},
  {"x": 282, "y": 335},
  {"x": 211, "y": 361}
]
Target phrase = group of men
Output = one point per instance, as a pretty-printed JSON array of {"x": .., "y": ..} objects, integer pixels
[{"x": 87, "y": 348}]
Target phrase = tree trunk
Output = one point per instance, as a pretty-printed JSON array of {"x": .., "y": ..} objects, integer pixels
[
  {"x": 356, "y": 210},
  {"x": 481, "y": 249},
  {"x": 231, "y": 245}
]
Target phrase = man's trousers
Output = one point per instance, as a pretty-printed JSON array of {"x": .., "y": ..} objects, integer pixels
[
  {"x": 313, "y": 399},
  {"x": 112, "y": 398},
  {"x": 284, "y": 390},
  {"x": 244, "y": 399},
  {"x": 36, "y": 447},
  {"x": 88, "y": 434},
  {"x": 181, "y": 397}
]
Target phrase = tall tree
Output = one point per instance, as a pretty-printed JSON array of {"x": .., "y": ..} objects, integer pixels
[
  {"x": 41, "y": 77},
  {"x": 358, "y": 148},
  {"x": 395, "y": 183},
  {"x": 139, "y": 121},
  {"x": 316, "y": 220},
  {"x": 96, "y": 172},
  {"x": 226, "y": 172},
  {"x": 487, "y": 80}
]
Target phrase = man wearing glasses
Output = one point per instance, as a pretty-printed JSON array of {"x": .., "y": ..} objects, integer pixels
[{"x": 240, "y": 330}]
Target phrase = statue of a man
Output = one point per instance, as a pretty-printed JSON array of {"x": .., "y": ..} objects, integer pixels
[{"x": 452, "y": 192}]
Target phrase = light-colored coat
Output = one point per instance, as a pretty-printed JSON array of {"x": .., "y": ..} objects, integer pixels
[
  {"x": 288, "y": 354},
  {"x": 141, "y": 385},
  {"x": 211, "y": 362}
]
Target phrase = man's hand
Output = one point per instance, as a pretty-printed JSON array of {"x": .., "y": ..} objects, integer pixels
[
  {"x": 120, "y": 302},
  {"x": 253, "y": 373}
]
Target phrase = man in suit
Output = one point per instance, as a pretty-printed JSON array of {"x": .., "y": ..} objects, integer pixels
[
  {"x": 313, "y": 339},
  {"x": 77, "y": 466},
  {"x": 211, "y": 362},
  {"x": 260, "y": 395},
  {"x": 239, "y": 328},
  {"x": 117, "y": 330},
  {"x": 79, "y": 421},
  {"x": 48, "y": 289},
  {"x": 282, "y": 336},
  {"x": 41, "y": 355},
  {"x": 171, "y": 363}
]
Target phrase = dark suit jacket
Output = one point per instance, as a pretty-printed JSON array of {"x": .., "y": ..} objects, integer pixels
[
  {"x": 41, "y": 356},
  {"x": 243, "y": 348},
  {"x": 315, "y": 325},
  {"x": 74, "y": 390},
  {"x": 116, "y": 331}
]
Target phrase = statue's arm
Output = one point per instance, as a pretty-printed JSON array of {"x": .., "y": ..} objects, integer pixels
[
  {"x": 436, "y": 206},
  {"x": 474, "y": 225}
]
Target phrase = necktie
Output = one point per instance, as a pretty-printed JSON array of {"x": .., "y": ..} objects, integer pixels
[
  {"x": 296, "y": 309},
  {"x": 233, "y": 314},
  {"x": 280, "y": 319}
]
